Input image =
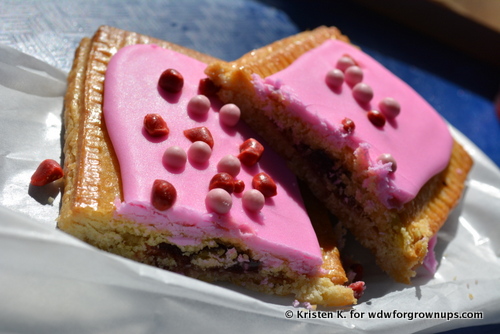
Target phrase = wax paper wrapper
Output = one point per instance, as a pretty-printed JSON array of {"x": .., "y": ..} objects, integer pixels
[{"x": 51, "y": 282}]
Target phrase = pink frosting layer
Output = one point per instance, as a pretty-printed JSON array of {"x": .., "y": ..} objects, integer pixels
[
  {"x": 280, "y": 231},
  {"x": 430, "y": 262},
  {"x": 418, "y": 138}
]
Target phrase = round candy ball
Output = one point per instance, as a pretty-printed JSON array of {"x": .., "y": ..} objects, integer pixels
[
  {"x": 219, "y": 201},
  {"x": 229, "y": 114},
  {"x": 229, "y": 164},
  {"x": 198, "y": 105},
  {"x": 253, "y": 200},
  {"x": 175, "y": 157},
  {"x": 199, "y": 152}
]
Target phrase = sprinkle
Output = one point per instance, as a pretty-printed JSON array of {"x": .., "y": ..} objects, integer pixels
[
  {"x": 388, "y": 158},
  {"x": 47, "y": 171},
  {"x": 200, "y": 134},
  {"x": 390, "y": 107},
  {"x": 219, "y": 201},
  {"x": 229, "y": 164},
  {"x": 171, "y": 81},
  {"x": 362, "y": 93},
  {"x": 229, "y": 114},
  {"x": 265, "y": 184},
  {"x": 207, "y": 87},
  {"x": 155, "y": 125},
  {"x": 163, "y": 195},
  {"x": 334, "y": 78},
  {"x": 250, "y": 152},
  {"x": 239, "y": 186},
  {"x": 348, "y": 125},
  {"x": 199, "y": 152},
  {"x": 377, "y": 118},
  {"x": 222, "y": 180},
  {"x": 175, "y": 157},
  {"x": 198, "y": 105},
  {"x": 253, "y": 200},
  {"x": 358, "y": 288},
  {"x": 344, "y": 63},
  {"x": 353, "y": 75}
]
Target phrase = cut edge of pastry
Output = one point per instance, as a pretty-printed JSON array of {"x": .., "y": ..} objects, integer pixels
[{"x": 92, "y": 184}]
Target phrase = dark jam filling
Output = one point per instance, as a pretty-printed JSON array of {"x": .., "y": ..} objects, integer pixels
[
  {"x": 331, "y": 170},
  {"x": 245, "y": 267},
  {"x": 183, "y": 260}
]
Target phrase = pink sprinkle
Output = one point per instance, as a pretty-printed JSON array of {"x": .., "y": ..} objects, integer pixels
[
  {"x": 388, "y": 158},
  {"x": 334, "y": 78},
  {"x": 198, "y": 105},
  {"x": 229, "y": 114},
  {"x": 219, "y": 201},
  {"x": 362, "y": 93},
  {"x": 390, "y": 107},
  {"x": 353, "y": 75},
  {"x": 344, "y": 63},
  {"x": 229, "y": 164},
  {"x": 175, "y": 157},
  {"x": 199, "y": 152},
  {"x": 253, "y": 200}
]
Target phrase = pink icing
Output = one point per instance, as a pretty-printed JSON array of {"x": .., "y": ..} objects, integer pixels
[
  {"x": 417, "y": 137},
  {"x": 281, "y": 230},
  {"x": 430, "y": 263}
]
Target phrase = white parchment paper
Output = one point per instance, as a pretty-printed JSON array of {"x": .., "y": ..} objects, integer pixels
[{"x": 53, "y": 283}]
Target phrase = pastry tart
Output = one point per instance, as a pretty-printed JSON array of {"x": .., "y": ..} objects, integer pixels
[
  {"x": 369, "y": 147},
  {"x": 159, "y": 171}
]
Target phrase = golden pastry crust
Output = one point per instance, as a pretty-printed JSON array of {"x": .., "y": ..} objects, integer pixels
[
  {"x": 92, "y": 184},
  {"x": 398, "y": 238},
  {"x": 93, "y": 181}
]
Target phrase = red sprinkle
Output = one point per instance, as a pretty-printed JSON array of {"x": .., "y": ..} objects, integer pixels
[
  {"x": 377, "y": 118},
  {"x": 207, "y": 87},
  {"x": 222, "y": 180},
  {"x": 250, "y": 152},
  {"x": 358, "y": 288},
  {"x": 227, "y": 182},
  {"x": 200, "y": 134},
  {"x": 265, "y": 184},
  {"x": 171, "y": 81},
  {"x": 155, "y": 125},
  {"x": 348, "y": 124},
  {"x": 163, "y": 195},
  {"x": 48, "y": 171},
  {"x": 239, "y": 186}
]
